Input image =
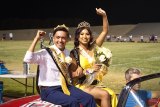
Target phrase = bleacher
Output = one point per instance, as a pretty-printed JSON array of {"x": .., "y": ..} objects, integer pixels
[
  {"x": 136, "y": 30},
  {"x": 145, "y": 29}
]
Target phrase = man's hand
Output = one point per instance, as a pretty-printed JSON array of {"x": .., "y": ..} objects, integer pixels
[{"x": 40, "y": 34}]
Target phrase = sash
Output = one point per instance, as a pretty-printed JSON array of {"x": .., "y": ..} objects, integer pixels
[{"x": 60, "y": 65}]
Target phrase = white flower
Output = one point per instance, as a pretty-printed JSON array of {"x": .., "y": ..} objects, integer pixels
[
  {"x": 68, "y": 60},
  {"x": 98, "y": 51},
  {"x": 107, "y": 52},
  {"x": 102, "y": 58},
  {"x": 103, "y": 55}
]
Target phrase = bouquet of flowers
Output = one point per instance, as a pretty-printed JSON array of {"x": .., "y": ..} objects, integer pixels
[{"x": 103, "y": 55}]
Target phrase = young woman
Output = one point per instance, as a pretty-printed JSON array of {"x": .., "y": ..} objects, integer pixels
[{"x": 86, "y": 48}]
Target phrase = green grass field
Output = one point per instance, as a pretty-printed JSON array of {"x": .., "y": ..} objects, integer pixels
[{"x": 145, "y": 56}]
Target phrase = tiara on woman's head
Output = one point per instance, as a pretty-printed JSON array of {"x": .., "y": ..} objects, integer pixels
[
  {"x": 62, "y": 26},
  {"x": 83, "y": 24}
]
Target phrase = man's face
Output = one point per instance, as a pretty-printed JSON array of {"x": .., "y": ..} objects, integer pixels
[
  {"x": 60, "y": 39},
  {"x": 138, "y": 85}
]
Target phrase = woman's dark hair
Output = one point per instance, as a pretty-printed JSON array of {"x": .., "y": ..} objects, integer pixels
[{"x": 77, "y": 34}]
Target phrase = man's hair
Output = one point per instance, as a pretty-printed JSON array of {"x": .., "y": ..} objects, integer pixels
[
  {"x": 131, "y": 71},
  {"x": 61, "y": 28}
]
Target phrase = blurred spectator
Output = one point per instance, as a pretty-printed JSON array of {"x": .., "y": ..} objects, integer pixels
[
  {"x": 141, "y": 38},
  {"x": 152, "y": 38},
  {"x": 50, "y": 38},
  {"x": 108, "y": 37},
  {"x": 120, "y": 38},
  {"x": 130, "y": 38},
  {"x": 4, "y": 37},
  {"x": 11, "y": 36},
  {"x": 156, "y": 38}
]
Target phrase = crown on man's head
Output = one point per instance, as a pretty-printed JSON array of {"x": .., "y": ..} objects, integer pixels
[
  {"x": 83, "y": 24},
  {"x": 62, "y": 26}
]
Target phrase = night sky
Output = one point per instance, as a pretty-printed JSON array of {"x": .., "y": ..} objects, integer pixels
[{"x": 46, "y": 13}]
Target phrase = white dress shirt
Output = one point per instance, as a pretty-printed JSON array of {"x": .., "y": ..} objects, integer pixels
[{"x": 49, "y": 74}]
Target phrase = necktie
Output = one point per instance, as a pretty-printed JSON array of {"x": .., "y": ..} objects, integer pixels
[
  {"x": 62, "y": 57},
  {"x": 63, "y": 82}
]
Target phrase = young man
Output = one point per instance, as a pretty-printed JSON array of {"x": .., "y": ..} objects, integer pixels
[{"x": 53, "y": 78}]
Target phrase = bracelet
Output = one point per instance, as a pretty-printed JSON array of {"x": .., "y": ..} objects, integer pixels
[{"x": 88, "y": 71}]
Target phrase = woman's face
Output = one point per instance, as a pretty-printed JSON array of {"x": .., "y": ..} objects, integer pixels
[{"x": 84, "y": 37}]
